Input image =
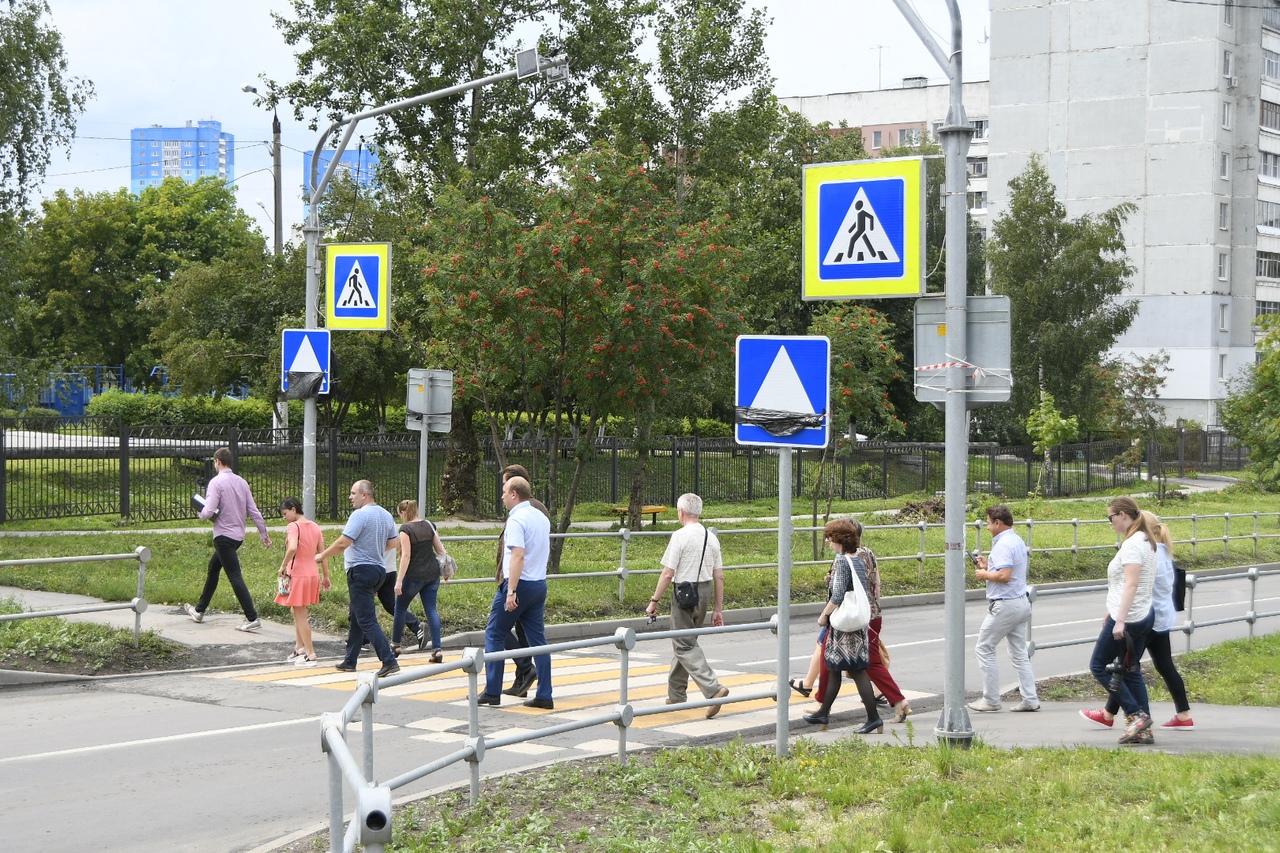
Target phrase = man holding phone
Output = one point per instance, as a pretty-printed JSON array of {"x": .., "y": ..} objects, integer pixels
[{"x": 1008, "y": 612}]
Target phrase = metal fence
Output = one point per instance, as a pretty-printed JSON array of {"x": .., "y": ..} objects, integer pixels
[
  {"x": 97, "y": 466},
  {"x": 138, "y": 605},
  {"x": 372, "y": 823}
]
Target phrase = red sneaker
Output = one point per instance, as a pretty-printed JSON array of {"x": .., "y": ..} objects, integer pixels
[
  {"x": 1098, "y": 716},
  {"x": 1179, "y": 725}
]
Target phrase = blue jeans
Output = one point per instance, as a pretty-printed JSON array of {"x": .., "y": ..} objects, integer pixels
[
  {"x": 532, "y": 597},
  {"x": 428, "y": 591},
  {"x": 1133, "y": 690},
  {"x": 362, "y": 587}
]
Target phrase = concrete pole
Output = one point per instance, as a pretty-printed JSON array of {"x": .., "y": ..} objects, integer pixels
[
  {"x": 954, "y": 725},
  {"x": 278, "y": 219}
]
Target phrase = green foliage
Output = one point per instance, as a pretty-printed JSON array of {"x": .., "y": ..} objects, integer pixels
[
  {"x": 39, "y": 101},
  {"x": 1063, "y": 277},
  {"x": 1048, "y": 428},
  {"x": 92, "y": 261},
  {"x": 1252, "y": 408},
  {"x": 145, "y": 409},
  {"x": 863, "y": 365}
]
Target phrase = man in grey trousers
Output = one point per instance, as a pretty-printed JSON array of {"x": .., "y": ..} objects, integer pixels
[
  {"x": 1008, "y": 613},
  {"x": 692, "y": 556}
]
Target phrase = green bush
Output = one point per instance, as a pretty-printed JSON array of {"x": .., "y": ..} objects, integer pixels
[
  {"x": 712, "y": 428},
  {"x": 153, "y": 409}
]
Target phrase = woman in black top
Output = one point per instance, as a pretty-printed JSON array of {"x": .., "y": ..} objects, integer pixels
[{"x": 419, "y": 575}]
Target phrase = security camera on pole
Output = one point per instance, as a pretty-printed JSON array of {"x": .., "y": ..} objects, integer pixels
[{"x": 528, "y": 64}]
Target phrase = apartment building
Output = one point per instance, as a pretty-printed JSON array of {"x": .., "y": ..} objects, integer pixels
[{"x": 193, "y": 151}]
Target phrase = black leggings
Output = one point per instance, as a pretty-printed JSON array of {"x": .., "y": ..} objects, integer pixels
[
  {"x": 865, "y": 690},
  {"x": 1159, "y": 647}
]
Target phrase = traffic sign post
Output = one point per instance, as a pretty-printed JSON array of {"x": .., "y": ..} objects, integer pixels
[
  {"x": 428, "y": 409},
  {"x": 304, "y": 353},
  {"x": 782, "y": 399},
  {"x": 359, "y": 292},
  {"x": 864, "y": 229}
]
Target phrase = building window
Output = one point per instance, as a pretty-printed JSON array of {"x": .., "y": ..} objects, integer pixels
[
  {"x": 1270, "y": 165},
  {"x": 876, "y": 137},
  {"x": 1271, "y": 16},
  {"x": 1228, "y": 64},
  {"x": 977, "y": 201},
  {"x": 980, "y": 128},
  {"x": 1270, "y": 64},
  {"x": 1270, "y": 115},
  {"x": 1269, "y": 264},
  {"x": 1223, "y": 315},
  {"x": 1268, "y": 214},
  {"x": 936, "y": 130},
  {"x": 1222, "y": 216},
  {"x": 909, "y": 136},
  {"x": 1222, "y": 366},
  {"x": 977, "y": 167},
  {"x": 1222, "y": 266},
  {"x": 1264, "y": 307},
  {"x": 1224, "y": 166},
  {"x": 1228, "y": 12},
  {"x": 1226, "y": 115}
]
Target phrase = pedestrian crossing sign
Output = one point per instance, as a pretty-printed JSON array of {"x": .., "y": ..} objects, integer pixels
[
  {"x": 305, "y": 351},
  {"x": 358, "y": 295},
  {"x": 864, "y": 229},
  {"x": 783, "y": 391}
]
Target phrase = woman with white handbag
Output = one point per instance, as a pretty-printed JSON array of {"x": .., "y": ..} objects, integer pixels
[{"x": 847, "y": 614}]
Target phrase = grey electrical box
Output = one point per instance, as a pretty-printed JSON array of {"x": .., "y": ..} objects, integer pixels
[
  {"x": 988, "y": 378},
  {"x": 429, "y": 400}
]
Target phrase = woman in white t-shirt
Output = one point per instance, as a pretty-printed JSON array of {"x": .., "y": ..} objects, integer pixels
[{"x": 1131, "y": 578}]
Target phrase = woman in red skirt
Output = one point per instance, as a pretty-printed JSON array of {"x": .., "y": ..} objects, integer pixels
[{"x": 300, "y": 579}]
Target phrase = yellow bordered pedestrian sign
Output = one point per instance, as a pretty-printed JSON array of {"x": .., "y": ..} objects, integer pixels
[
  {"x": 358, "y": 295},
  {"x": 864, "y": 229}
]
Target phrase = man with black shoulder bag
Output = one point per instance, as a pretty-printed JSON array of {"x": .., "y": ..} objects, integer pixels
[{"x": 692, "y": 565}]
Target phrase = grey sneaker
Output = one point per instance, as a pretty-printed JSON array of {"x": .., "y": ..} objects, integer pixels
[
  {"x": 1024, "y": 705},
  {"x": 196, "y": 615},
  {"x": 984, "y": 705},
  {"x": 250, "y": 626}
]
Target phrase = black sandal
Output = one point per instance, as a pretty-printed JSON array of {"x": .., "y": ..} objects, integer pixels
[{"x": 798, "y": 686}]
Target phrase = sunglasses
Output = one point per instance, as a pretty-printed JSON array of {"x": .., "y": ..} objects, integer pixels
[{"x": 1113, "y": 515}]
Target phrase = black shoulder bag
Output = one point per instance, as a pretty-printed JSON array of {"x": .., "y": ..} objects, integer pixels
[{"x": 687, "y": 592}]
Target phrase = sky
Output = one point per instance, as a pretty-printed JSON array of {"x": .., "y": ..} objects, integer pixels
[{"x": 158, "y": 62}]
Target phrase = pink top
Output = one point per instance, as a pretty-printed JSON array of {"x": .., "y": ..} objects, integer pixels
[{"x": 228, "y": 503}]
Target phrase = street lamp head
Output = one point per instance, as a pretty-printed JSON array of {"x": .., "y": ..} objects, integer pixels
[{"x": 250, "y": 88}]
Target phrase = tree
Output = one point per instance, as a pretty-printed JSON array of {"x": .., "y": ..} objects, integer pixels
[
  {"x": 39, "y": 102},
  {"x": 607, "y": 304},
  {"x": 1048, "y": 429},
  {"x": 92, "y": 261},
  {"x": 1063, "y": 277},
  {"x": 1252, "y": 408}
]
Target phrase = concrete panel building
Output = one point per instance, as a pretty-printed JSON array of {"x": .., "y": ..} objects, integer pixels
[{"x": 193, "y": 151}]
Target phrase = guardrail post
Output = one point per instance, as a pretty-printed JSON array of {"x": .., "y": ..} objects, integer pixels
[
  {"x": 1252, "y": 616},
  {"x": 1255, "y": 534},
  {"x": 1226, "y": 535},
  {"x": 622, "y": 566},
  {"x": 140, "y": 604},
  {"x": 1195, "y": 540},
  {"x": 924, "y": 527},
  {"x": 1075, "y": 543},
  {"x": 328, "y": 720},
  {"x": 366, "y": 721},
  {"x": 1030, "y": 528},
  {"x": 626, "y": 640},
  {"x": 474, "y": 659},
  {"x": 1191, "y": 605}
]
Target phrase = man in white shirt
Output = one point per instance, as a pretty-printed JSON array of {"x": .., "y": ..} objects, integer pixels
[
  {"x": 692, "y": 556},
  {"x": 1008, "y": 613}
]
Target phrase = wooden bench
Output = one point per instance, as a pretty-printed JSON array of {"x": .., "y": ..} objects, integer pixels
[{"x": 652, "y": 511}]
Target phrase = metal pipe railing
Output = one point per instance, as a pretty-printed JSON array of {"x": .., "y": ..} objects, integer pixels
[{"x": 138, "y": 605}]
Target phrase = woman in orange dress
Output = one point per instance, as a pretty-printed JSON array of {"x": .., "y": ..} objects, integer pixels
[{"x": 300, "y": 579}]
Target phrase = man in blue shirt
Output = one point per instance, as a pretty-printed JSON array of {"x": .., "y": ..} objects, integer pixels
[
  {"x": 1008, "y": 613},
  {"x": 522, "y": 594},
  {"x": 369, "y": 533}
]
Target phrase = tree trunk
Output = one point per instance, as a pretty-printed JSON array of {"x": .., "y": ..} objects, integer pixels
[
  {"x": 458, "y": 491},
  {"x": 640, "y": 474}
]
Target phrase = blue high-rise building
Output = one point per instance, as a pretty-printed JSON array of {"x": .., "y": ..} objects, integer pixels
[
  {"x": 198, "y": 150},
  {"x": 359, "y": 164}
]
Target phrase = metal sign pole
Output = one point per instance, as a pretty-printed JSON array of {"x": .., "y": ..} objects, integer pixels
[
  {"x": 784, "y": 597},
  {"x": 422, "y": 469}
]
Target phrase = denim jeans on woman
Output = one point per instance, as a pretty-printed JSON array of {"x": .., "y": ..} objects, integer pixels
[
  {"x": 1133, "y": 690},
  {"x": 428, "y": 592}
]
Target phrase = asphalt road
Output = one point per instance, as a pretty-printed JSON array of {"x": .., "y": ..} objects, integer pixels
[{"x": 231, "y": 761}]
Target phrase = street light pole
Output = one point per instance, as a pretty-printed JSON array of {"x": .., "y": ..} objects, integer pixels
[
  {"x": 554, "y": 68},
  {"x": 278, "y": 218}
]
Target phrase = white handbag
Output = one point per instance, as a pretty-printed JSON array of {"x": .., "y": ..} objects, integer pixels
[{"x": 854, "y": 613}]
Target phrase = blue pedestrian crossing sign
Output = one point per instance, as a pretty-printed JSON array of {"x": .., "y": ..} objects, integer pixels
[
  {"x": 358, "y": 291},
  {"x": 783, "y": 393},
  {"x": 864, "y": 229},
  {"x": 305, "y": 351}
]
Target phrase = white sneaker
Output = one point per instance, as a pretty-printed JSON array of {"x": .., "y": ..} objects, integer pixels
[
  {"x": 196, "y": 615},
  {"x": 304, "y": 661},
  {"x": 983, "y": 705},
  {"x": 1024, "y": 705},
  {"x": 295, "y": 656},
  {"x": 250, "y": 626}
]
